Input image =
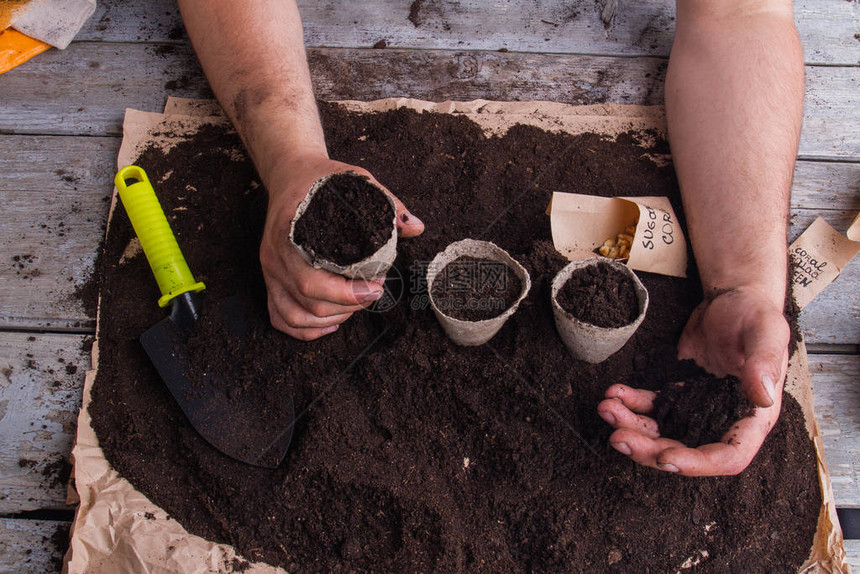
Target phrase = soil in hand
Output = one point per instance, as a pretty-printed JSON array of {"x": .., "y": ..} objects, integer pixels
[
  {"x": 412, "y": 454},
  {"x": 702, "y": 408},
  {"x": 346, "y": 221},
  {"x": 600, "y": 295},
  {"x": 473, "y": 289}
]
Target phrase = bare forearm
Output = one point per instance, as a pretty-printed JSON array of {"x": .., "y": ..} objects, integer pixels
[
  {"x": 734, "y": 97},
  {"x": 253, "y": 54}
]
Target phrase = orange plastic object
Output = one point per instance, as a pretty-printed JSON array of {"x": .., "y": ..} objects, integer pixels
[
  {"x": 8, "y": 9},
  {"x": 16, "y": 48}
]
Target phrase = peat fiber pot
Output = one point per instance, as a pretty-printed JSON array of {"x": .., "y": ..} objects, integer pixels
[
  {"x": 351, "y": 204},
  {"x": 584, "y": 340},
  {"x": 479, "y": 262}
]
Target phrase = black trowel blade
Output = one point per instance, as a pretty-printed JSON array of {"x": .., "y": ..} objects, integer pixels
[{"x": 233, "y": 426}]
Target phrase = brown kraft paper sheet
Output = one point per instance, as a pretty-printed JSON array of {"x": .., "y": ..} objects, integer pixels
[{"x": 113, "y": 530}]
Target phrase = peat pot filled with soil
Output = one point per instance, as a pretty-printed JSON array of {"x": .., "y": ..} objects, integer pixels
[
  {"x": 598, "y": 304},
  {"x": 474, "y": 287},
  {"x": 346, "y": 225}
]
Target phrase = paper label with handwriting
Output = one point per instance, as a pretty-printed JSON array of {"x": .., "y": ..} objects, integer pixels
[
  {"x": 581, "y": 223},
  {"x": 818, "y": 256}
]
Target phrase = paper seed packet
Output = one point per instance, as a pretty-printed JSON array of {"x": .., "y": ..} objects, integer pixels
[{"x": 581, "y": 223}]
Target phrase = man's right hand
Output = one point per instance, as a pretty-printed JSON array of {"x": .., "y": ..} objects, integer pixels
[
  {"x": 741, "y": 332},
  {"x": 304, "y": 302}
]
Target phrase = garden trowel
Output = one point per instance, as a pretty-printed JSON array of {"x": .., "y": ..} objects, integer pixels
[{"x": 247, "y": 433}]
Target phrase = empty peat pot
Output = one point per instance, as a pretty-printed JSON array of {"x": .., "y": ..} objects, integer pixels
[
  {"x": 474, "y": 287},
  {"x": 595, "y": 286},
  {"x": 346, "y": 224}
]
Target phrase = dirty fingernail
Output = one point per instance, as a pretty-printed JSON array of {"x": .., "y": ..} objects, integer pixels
[
  {"x": 668, "y": 467},
  {"x": 330, "y": 329},
  {"x": 622, "y": 448},
  {"x": 769, "y": 387},
  {"x": 608, "y": 417},
  {"x": 408, "y": 219}
]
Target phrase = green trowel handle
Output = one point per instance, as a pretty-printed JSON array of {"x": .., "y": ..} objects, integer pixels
[{"x": 168, "y": 265}]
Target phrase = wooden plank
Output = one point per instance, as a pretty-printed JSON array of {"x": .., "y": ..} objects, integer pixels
[
  {"x": 41, "y": 383},
  {"x": 826, "y": 27},
  {"x": 832, "y": 319},
  {"x": 66, "y": 166},
  {"x": 49, "y": 240},
  {"x": 44, "y": 97},
  {"x": 138, "y": 76},
  {"x": 832, "y": 97},
  {"x": 54, "y": 191},
  {"x": 32, "y": 545},
  {"x": 837, "y": 409},
  {"x": 438, "y": 75},
  {"x": 124, "y": 21},
  {"x": 826, "y": 186}
]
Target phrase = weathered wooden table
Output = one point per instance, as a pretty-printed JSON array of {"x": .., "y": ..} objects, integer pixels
[{"x": 60, "y": 130}]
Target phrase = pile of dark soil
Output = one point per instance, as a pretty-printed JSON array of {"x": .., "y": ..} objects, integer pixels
[
  {"x": 347, "y": 220},
  {"x": 600, "y": 295},
  {"x": 411, "y": 453},
  {"x": 473, "y": 289}
]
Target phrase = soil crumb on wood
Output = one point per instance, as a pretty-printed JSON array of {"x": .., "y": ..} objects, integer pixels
[
  {"x": 87, "y": 291},
  {"x": 600, "y": 295},
  {"x": 473, "y": 289},
  {"x": 59, "y": 545},
  {"x": 346, "y": 221},
  {"x": 415, "y": 12},
  {"x": 411, "y": 453}
]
